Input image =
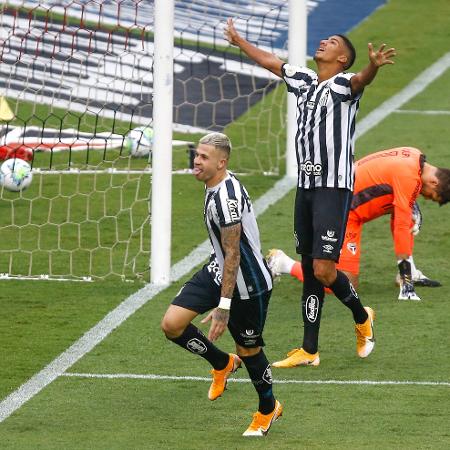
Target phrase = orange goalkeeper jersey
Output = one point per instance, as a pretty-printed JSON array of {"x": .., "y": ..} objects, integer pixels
[{"x": 388, "y": 182}]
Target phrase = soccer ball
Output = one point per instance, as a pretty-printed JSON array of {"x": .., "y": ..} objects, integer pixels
[
  {"x": 139, "y": 141},
  {"x": 15, "y": 174}
]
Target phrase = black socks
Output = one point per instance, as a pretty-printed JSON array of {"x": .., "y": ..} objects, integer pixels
[
  {"x": 345, "y": 292},
  {"x": 258, "y": 368},
  {"x": 195, "y": 341}
]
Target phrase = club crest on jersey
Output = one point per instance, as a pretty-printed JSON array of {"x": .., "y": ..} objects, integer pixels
[
  {"x": 312, "y": 308},
  {"x": 289, "y": 70},
  {"x": 351, "y": 246},
  {"x": 233, "y": 209},
  {"x": 196, "y": 346},
  {"x": 309, "y": 168}
]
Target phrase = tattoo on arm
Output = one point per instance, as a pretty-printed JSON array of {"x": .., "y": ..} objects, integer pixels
[
  {"x": 230, "y": 237},
  {"x": 221, "y": 315}
]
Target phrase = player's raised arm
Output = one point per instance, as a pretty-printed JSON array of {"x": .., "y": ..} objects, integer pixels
[
  {"x": 265, "y": 59},
  {"x": 376, "y": 59}
]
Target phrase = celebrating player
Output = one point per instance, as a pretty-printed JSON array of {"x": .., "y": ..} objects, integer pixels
[
  {"x": 327, "y": 105},
  {"x": 387, "y": 182},
  {"x": 238, "y": 292}
]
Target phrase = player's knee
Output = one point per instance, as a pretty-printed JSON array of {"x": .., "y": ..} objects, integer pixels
[
  {"x": 170, "y": 327},
  {"x": 246, "y": 351},
  {"x": 324, "y": 273}
]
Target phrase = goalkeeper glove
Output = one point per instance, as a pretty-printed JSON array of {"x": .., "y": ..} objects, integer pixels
[
  {"x": 407, "y": 291},
  {"x": 416, "y": 218}
]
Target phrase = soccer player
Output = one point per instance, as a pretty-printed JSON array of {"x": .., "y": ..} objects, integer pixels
[
  {"x": 327, "y": 103},
  {"x": 386, "y": 182},
  {"x": 236, "y": 285}
]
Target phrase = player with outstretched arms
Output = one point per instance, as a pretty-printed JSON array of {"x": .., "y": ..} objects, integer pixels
[{"x": 327, "y": 103}]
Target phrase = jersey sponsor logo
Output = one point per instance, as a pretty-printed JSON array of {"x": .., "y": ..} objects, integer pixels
[
  {"x": 233, "y": 209},
  {"x": 309, "y": 168},
  {"x": 327, "y": 248},
  {"x": 352, "y": 247},
  {"x": 267, "y": 375},
  {"x": 310, "y": 104},
  {"x": 196, "y": 346},
  {"x": 312, "y": 308}
]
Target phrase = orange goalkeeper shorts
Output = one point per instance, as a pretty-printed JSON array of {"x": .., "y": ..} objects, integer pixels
[{"x": 351, "y": 248}]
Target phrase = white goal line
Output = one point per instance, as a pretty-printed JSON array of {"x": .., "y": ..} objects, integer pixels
[{"x": 134, "y": 376}]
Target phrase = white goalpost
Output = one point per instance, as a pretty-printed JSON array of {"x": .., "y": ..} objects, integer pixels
[
  {"x": 161, "y": 209},
  {"x": 297, "y": 57}
]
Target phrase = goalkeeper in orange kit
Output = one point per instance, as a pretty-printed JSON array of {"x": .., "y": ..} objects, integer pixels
[{"x": 386, "y": 182}]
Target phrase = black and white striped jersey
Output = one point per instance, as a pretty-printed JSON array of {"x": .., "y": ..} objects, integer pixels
[
  {"x": 325, "y": 137},
  {"x": 227, "y": 204}
]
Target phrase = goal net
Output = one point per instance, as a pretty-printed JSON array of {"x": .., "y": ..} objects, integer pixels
[{"x": 76, "y": 78}]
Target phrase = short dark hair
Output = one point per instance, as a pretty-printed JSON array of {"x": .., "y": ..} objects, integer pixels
[
  {"x": 351, "y": 49},
  {"x": 443, "y": 187}
]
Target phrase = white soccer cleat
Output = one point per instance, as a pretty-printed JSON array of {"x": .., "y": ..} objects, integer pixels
[
  {"x": 419, "y": 279},
  {"x": 279, "y": 262}
]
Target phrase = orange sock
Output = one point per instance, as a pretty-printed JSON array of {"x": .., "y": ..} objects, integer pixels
[{"x": 297, "y": 271}]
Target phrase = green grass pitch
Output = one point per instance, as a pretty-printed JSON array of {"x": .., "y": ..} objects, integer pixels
[{"x": 39, "y": 320}]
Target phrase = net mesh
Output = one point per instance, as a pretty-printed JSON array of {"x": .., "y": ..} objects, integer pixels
[{"x": 76, "y": 77}]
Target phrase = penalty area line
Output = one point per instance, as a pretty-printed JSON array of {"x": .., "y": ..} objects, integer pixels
[{"x": 133, "y": 376}]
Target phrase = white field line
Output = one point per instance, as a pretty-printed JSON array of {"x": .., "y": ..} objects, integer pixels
[
  {"x": 134, "y": 376},
  {"x": 395, "y": 102},
  {"x": 130, "y": 305},
  {"x": 426, "y": 112}
]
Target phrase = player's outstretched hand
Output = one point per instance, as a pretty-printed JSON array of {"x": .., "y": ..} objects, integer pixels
[
  {"x": 219, "y": 322},
  {"x": 230, "y": 33},
  {"x": 407, "y": 292},
  {"x": 381, "y": 56}
]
